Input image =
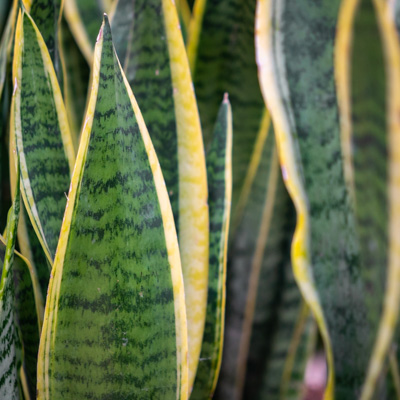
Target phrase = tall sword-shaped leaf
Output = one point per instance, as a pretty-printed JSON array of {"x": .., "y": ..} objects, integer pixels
[
  {"x": 219, "y": 175},
  {"x": 115, "y": 320},
  {"x": 40, "y": 130},
  {"x": 157, "y": 69},
  {"x": 9, "y": 364}
]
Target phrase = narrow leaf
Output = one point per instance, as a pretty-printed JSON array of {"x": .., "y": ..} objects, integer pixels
[
  {"x": 219, "y": 176},
  {"x": 115, "y": 323},
  {"x": 39, "y": 127},
  {"x": 222, "y": 59},
  {"x": 157, "y": 69},
  {"x": 9, "y": 363}
]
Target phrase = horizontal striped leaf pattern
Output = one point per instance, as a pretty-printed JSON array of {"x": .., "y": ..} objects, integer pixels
[
  {"x": 9, "y": 342},
  {"x": 157, "y": 69},
  {"x": 115, "y": 323},
  {"x": 40, "y": 129},
  {"x": 219, "y": 176}
]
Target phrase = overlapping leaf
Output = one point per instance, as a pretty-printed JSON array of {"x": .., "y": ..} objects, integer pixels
[
  {"x": 222, "y": 57},
  {"x": 40, "y": 130},
  {"x": 157, "y": 69},
  {"x": 219, "y": 175},
  {"x": 115, "y": 321}
]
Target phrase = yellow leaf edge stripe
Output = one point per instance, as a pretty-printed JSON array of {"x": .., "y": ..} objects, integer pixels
[
  {"x": 170, "y": 236},
  {"x": 342, "y": 56},
  {"x": 224, "y": 239},
  {"x": 77, "y": 27},
  {"x": 386, "y": 22},
  {"x": 15, "y": 123},
  {"x": 193, "y": 192},
  {"x": 195, "y": 26},
  {"x": 271, "y": 90}
]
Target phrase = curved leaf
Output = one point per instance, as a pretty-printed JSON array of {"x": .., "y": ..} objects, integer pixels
[
  {"x": 115, "y": 323},
  {"x": 156, "y": 67}
]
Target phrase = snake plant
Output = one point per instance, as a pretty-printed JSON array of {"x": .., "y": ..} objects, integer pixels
[{"x": 198, "y": 198}]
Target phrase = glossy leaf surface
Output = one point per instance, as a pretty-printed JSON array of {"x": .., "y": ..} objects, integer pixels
[{"x": 115, "y": 322}]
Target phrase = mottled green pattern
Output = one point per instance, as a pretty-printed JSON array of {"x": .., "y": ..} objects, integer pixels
[
  {"x": 114, "y": 334},
  {"x": 147, "y": 67},
  {"x": 238, "y": 271},
  {"x": 46, "y": 14},
  {"x": 46, "y": 161},
  {"x": 226, "y": 63},
  {"x": 219, "y": 207},
  {"x": 26, "y": 317},
  {"x": 308, "y": 30},
  {"x": 272, "y": 291},
  {"x": 9, "y": 342},
  {"x": 370, "y": 155}
]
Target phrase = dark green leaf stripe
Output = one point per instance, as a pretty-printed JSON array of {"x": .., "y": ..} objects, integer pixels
[
  {"x": 238, "y": 272},
  {"x": 219, "y": 176},
  {"x": 47, "y": 15},
  {"x": 141, "y": 45},
  {"x": 157, "y": 69},
  {"x": 9, "y": 363},
  {"x": 225, "y": 62},
  {"x": 42, "y": 138},
  {"x": 115, "y": 321},
  {"x": 84, "y": 19},
  {"x": 29, "y": 315}
]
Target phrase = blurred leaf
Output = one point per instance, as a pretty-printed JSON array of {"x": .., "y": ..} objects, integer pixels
[
  {"x": 39, "y": 127},
  {"x": 222, "y": 58},
  {"x": 116, "y": 294},
  {"x": 157, "y": 69},
  {"x": 219, "y": 175}
]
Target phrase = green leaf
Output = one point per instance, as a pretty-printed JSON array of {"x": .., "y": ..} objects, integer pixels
[
  {"x": 28, "y": 315},
  {"x": 47, "y": 15},
  {"x": 84, "y": 19},
  {"x": 115, "y": 319},
  {"x": 157, "y": 69},
  {"x": 219, "y": 175},
  {"x": 9, "y": 363},
  {"x": 222, "y": 59},
  {"x": 40, "y": 130}
]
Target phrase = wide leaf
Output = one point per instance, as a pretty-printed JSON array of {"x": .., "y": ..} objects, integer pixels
[{"x": 115, "y": 322}]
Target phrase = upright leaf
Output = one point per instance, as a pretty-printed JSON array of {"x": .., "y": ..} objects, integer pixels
[
  {"x": 9, "y": 364},
  {"x": 115, "y": 321},
  {"x": 40, "y": 130},
  {"x": 222, "y": 59},
  {"x": 157, "y": 69},
  {"x": 219, "y": 175},
  {"x": 47, "y": 16}
]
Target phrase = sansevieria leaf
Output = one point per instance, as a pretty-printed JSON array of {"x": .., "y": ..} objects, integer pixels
[
  {"x": 115, "y": 320},
  {"x": 40, "y": 130},
  {"x": 9, "y": 363},
  {"x": 219, "y": 174},
  {"x": 157, "y": 69}
]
